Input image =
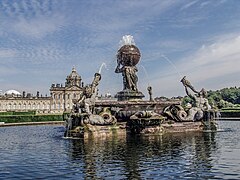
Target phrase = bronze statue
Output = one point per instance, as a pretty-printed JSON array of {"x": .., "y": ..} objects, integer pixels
[
  {"x": 150, "y": 93},
  {"x": 129, "y": 76},
  {"x": 127, "y": 58}
]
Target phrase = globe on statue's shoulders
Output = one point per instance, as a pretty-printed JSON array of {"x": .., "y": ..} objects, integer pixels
[{"x": 128, "y": 55}]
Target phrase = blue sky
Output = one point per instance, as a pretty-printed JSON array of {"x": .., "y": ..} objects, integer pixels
[{"x": 41, "y": 40}]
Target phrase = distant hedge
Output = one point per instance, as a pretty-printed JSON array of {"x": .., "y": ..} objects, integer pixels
[
  {"x": 230, "y": 112},
  {"x": 30, "y": 118},
  {"x": 11, "y": 113}
]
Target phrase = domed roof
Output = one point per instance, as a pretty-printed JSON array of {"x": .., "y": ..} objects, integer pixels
[
  {"x": 12, "y": 92},
  {"x": 73, "y": 79},
  {"x": 73, "y": 74}
]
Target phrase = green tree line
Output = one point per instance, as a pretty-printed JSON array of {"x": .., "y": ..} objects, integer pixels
[{"x": 223, "y": 98}]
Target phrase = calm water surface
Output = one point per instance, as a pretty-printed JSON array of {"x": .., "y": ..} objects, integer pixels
[{"x": 40, "y": 152}]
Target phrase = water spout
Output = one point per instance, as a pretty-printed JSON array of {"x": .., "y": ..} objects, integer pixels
[
  {"x": 170, "y": 62},
  {"x": 127, "y": 40},
  {"x": 146, "y": 73},
  {"x": 102, "y": 65}
]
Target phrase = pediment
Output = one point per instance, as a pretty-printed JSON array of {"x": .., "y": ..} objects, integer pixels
[{"x": 73, "y": 88}]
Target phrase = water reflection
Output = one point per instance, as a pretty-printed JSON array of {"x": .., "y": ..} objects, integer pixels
[
  {"x": 33, "y": 152},
  {"x": 173, "y": 155}
]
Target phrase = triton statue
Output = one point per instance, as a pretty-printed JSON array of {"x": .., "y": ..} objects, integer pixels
[{"x": 193, "y": 112}]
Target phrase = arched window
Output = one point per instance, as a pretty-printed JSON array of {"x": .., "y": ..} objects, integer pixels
[
  {"x": 74, "y": 95},
  {"x": 68, "y": 96},
  {"x": 59, "y": 96}
]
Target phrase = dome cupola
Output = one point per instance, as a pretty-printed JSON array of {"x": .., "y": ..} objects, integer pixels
[{"x": 73, "y": 79}]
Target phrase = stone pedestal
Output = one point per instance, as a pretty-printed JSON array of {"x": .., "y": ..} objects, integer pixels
[{"x": 129, "y": 95}]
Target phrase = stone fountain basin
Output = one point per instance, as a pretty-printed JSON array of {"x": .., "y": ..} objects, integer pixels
[{"x": 123, "y": 110}]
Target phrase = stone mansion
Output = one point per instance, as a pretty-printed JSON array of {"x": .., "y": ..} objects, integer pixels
[{"x": 59, "y": 101}]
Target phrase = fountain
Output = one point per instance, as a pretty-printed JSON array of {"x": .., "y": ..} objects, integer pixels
[{"x": 130, "y": 113}]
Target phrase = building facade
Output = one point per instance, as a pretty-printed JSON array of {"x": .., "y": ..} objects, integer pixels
[
  {"x": 62, "y": 96},
  {"x": 59, "y": 101}
]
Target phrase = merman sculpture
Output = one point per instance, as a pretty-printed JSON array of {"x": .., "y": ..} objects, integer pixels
[{"x": 194, "y": 111}]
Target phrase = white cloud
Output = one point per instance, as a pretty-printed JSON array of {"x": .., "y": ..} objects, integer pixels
[
  {"x": 219, "y": 58},
  {"x": 205, "y": 67},
  {"x": 38, "y": 27},
  {"x": 188, "y": 5},
  {"x": 7, "y": 53}
]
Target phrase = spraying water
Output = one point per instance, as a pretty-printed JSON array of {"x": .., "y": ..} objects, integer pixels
[
  {"x": 170, "y": 62},
  {"x": 102, "y": 65},
  {"x": 146, "y": 73}
]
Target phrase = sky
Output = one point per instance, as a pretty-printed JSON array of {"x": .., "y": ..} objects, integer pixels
[{"x": 42, "y": 40}]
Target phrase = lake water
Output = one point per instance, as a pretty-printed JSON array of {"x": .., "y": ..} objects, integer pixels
[{"x": 40, "y": 152}]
